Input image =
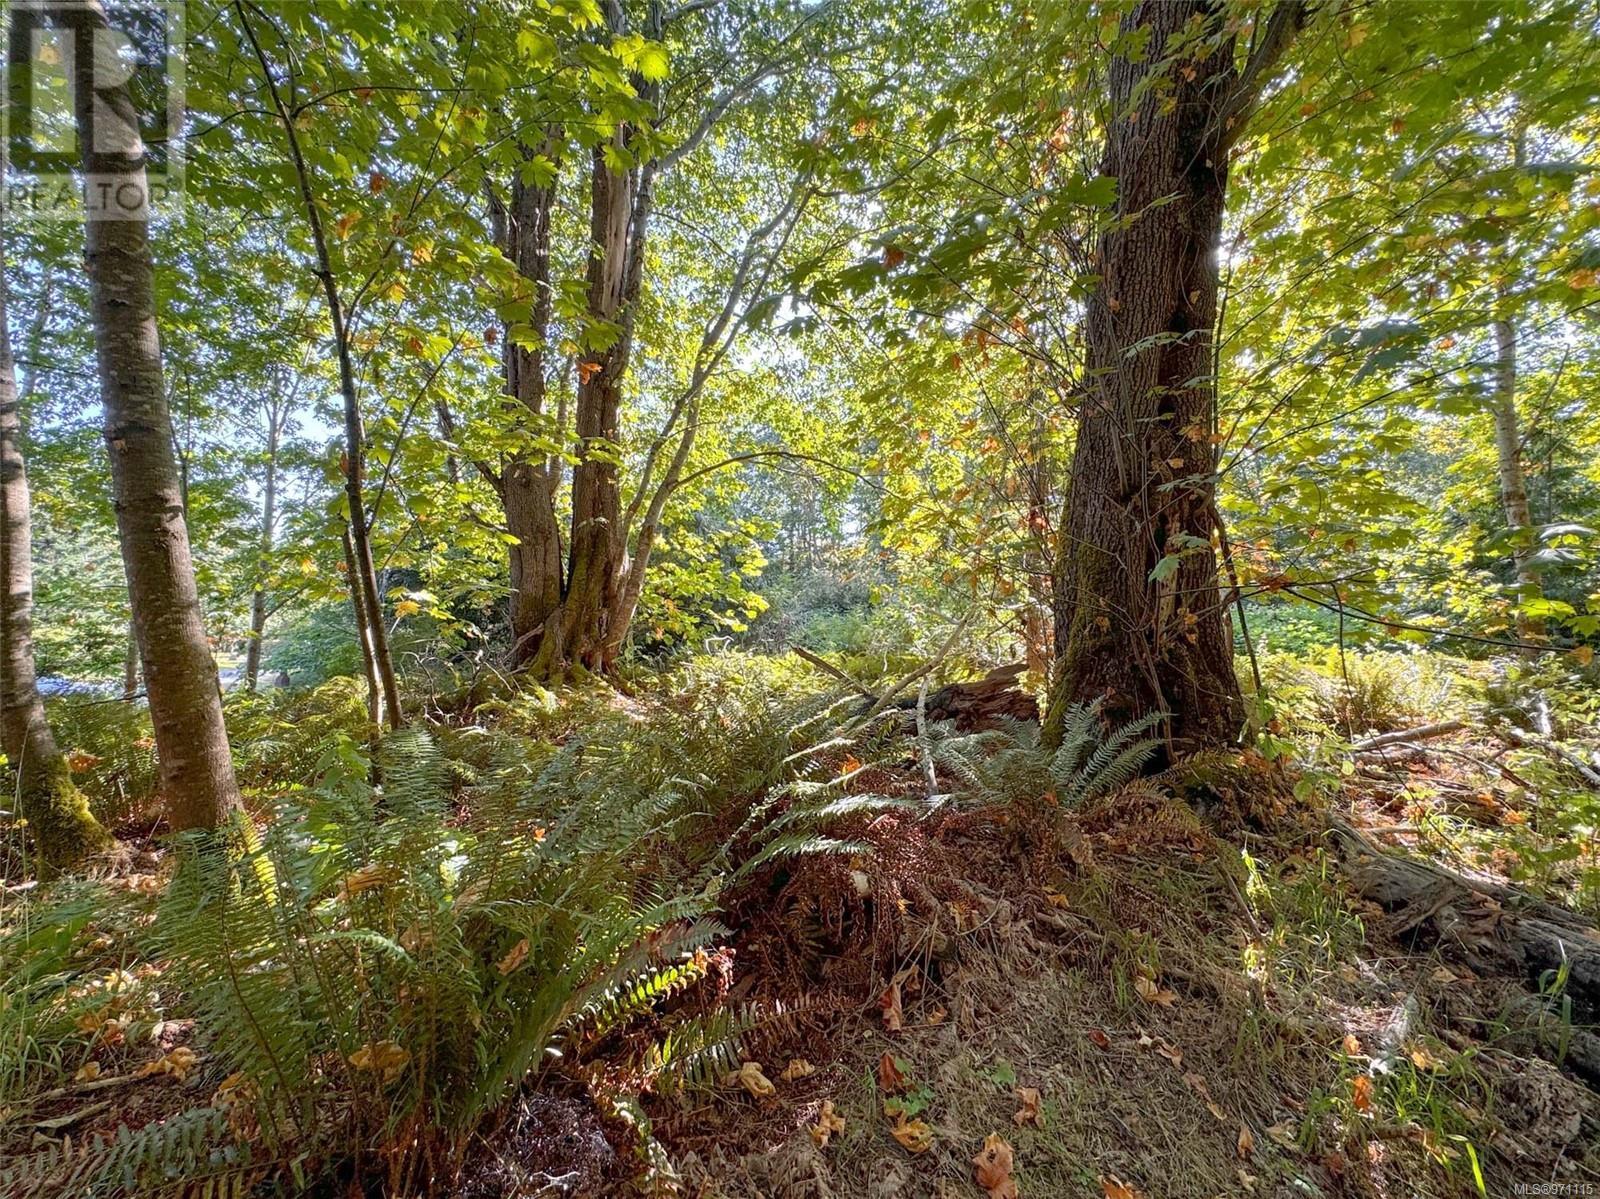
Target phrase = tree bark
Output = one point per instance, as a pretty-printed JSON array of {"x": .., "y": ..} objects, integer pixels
[
  {"x": 1139, "y": 614},
  {"x": 64, "y": 831},
  {"x": 369, "y": 669},
  {"x": 527, "y": 484},
  {"x": 130, "y": 663},
  {"x": 269, "y": 516},
  {"x": 180, "y": 677},
  {"x": 619, "y": 212}
]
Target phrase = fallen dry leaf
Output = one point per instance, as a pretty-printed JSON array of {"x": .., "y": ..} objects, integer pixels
[
  {"x": 914, "y": 1135},
  {"x": 749, "y": 1077},
  {"x": 992, "y": 1168},
  {"x": 87, "y": 1072},
  {"x": 1197, "y": 1084},
  {"x": 1029, "y": 1111},
  {"x": 890, "y": 1077},
  {"x": 1151, "y": 993},
  {"x": 828, "y": 1123},
  {"x": 1170, "y": 1051},
  {"x": 1361, "y": 1093},
  {"x": 1351, "y": 1046},
  {"x": 377, "y": 874},
  {"x": 937, "y": 1015},
  {"x": 1423, "y": 1060},
  {"x": 893, "y": 1017},
  {"x": 1099, "y": 1039},
  {"x": 909, "y": 980},
  {"x": 1246, "y": 1143},
  {"x": 515, "y": 957},
  {"x": 1055, "y": 898},
  {"x": 177, "y": 1063},
  {"x": 797, "y": 1069},
  {"x": 386, "y": 1057},
  {"x": 1115, "y": 1188}
]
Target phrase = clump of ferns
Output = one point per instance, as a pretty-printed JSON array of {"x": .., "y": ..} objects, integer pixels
[
  {"x": 387, "y": 972},
  {"x": 1010, "y": 767}
]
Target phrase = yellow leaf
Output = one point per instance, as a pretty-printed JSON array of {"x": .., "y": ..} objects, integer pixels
[
  {"x": 406, "y": 608},
  {"x": 914, "y": 1135},
  {"x": 749, "y": 1077},
  {"x": 384, "y": 1057},
  {"x": 177, "y": 1063},
  {"x": 377, "y": 874},
  {"x": 87, "y": 1072},
  {"x": 828, "y": 1123},
  {"x": 345, "y": 223},
  {"x": 797, "y": 1069},
  {"x": 1115, "y": 1188},
  {"x": 1246, "y": 1143}
]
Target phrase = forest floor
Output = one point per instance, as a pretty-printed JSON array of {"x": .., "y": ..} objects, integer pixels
[
  {"x": 1182, "y": 993},
  {"x": 1166, "y": 1015}
]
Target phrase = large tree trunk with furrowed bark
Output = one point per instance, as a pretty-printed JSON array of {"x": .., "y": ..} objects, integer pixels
[
  {"x": 63, "y": 829},
  {"x": 180, "y": 677},
  {"x": 1140, "y": 623}
]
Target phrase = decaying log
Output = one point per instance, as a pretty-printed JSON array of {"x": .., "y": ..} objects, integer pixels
[
  {"x": 1493, "y": 928},
  {"x": 980, "y": 704}
]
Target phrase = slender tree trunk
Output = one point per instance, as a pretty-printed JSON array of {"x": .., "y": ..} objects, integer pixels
[
  {"x": 1139, "y": 615},
  {"x": 363, "y": 632},
  {"x": 1508, "y": 452},
  {"x": 354, "y": 461},
  {"x": 180, "y": 676},
  {"x": 58, "y": 816},
  {"x": 1513, "y": 489},
  {"x": 269, "y": 516}
]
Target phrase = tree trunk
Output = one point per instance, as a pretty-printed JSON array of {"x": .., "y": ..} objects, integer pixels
[
  {"x": 353, "y": 464},
  {"x": 64, "y": 831},
  {"x": 358, "y": 605},
  {"x": 1513, "y": 490},
  {"x": 130, "y": 663},
  {"x": 526, "y": 485},
  {"x": 269, "y": 516},
  {"x": 1139, "y": 616},
  {"x": 180, "y": 676},
  {"x": 576, "y": 633}
]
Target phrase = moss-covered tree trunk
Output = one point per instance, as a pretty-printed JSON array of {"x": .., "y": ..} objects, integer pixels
[
  {"x": 64, "y": 831},
  {"x": 1139, "y": 617},
  {"x": 197, "y": 776}
]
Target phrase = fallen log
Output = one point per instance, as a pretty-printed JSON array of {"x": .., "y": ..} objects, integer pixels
[
  {"x": 1555, "y": 749},
  {"x": 981, "y": 703},
  {"x": 1404, "y": 736},
  {"x": 1493, "y": 928}
]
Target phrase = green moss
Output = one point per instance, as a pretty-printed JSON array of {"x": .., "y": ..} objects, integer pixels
[{"x": 64, "y": 830}]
